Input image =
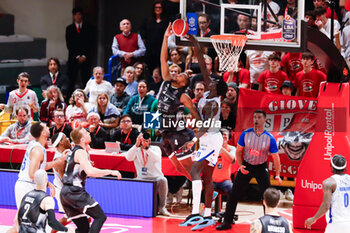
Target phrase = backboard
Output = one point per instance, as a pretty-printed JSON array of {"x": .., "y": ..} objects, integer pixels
[{"x": 280, "y": 27}]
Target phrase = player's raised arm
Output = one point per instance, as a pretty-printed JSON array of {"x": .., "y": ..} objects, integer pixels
[
  {"x": 164, "y": 55},
  {"x": 201, "y": 62},
  {"x": 82, "y": 159}
]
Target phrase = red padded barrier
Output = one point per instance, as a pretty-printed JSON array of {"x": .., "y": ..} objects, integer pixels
[{"x": 331, "y": 137}]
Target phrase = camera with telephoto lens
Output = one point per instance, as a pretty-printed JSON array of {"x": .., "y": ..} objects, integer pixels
[{"x": 146, "y": 135}]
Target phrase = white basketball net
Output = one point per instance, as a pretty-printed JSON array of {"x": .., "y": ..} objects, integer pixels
[{"x": 228, "y": 48}]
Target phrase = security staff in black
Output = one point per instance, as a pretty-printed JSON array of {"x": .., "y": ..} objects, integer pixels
[
  {"x": 76, "y": 202},
  {"x": 271, "y": 222},
  {"x": 172, "y": 99}
]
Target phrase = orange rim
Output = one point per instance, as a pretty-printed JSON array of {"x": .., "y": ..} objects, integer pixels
[{"x": 236, "y": 39}]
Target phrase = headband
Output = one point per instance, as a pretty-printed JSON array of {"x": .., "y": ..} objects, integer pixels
[
  {"x": 58, "y": 139},
  {"x": 336, "y": 167}
]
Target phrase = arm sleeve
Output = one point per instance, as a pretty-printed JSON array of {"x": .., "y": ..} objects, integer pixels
[
  {"x": 261, "y": 78},
  {"x": 155, "y": 152},
  {"x": 98, "y": 141},
  {"x": 131, "y": 154},
  {"x": 53, "y": 223},
  {"x": 128, "y": 106},
  {"x": 273, "y": 145},
  {"x": 241, "y": 139},
  {"x": 7, "y": 131},
  {"x": 43, "y": 83},
  {"x": 142, "y": 49},
  {"x": 43, "y": 116},
  {"x": 36, "y": 101},
  {"x": 87, "y": 87},
  {"x": 115, "y": 48}
]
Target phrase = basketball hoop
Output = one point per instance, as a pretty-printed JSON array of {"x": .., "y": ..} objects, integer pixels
[{"x": 228, "y": 48}]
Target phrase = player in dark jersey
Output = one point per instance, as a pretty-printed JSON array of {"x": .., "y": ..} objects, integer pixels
[
  {"x": 271, "y": 221},
  {"x": 37, "y": 207},
  {"x": 172, "y": 99},
  {"x": 76, "y": 202}
]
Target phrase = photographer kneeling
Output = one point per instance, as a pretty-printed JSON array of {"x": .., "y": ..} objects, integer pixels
[{"x": 148, "y": 164}]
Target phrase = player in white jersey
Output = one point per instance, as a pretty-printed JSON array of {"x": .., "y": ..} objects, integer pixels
[
  {"x": 34, "y": 159},
  {"x": 335, "y": 204},
  {"x": 22, "y": 97},
  {"x": 209, "y": 147},
  {"x": 63, "y": 146}
]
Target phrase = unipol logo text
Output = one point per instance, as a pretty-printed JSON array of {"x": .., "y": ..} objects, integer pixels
[
  {"x": 328, "y": 133},
  {"x": 310, "y": 185}
]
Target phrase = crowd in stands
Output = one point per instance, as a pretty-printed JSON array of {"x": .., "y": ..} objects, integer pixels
[{"x": 115, "y": 113}]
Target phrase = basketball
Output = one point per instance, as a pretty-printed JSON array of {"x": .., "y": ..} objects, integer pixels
[{"x": 180, "y": 27}]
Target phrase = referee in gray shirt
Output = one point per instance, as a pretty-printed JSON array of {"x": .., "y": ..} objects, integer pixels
[{"x": 253, "y": 147}]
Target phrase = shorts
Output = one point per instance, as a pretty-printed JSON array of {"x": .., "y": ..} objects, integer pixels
[
  {"x": 58, "y": 198},
  {"x": 21, "y": 189},
  {"x": 210, "y": 145},
  {"x": 337, "y": 227},
  {"x": 173, "y": 140},
  {"x": 75, "y": 201}
]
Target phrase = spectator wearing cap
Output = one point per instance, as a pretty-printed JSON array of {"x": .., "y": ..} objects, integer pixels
[
  {"x": 120, "y": 98},
  {"x": 271, "y": 80},
  {"x": 97, "y": 133},
  {"x": 229, "y": 106},
  {"x": 308, "y": 80},
  {"x": 287, "y": 88},
  {"x": 232, "y": 93}
]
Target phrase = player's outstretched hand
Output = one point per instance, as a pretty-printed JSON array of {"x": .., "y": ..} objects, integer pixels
[
  {"x": 309, "y": 222},
  {"x": 117, "y": 174},
  {"x": 71, "y": 230},
  {"x": 65, "y": 153},
  {"x": 168, "y": 31},
  {"x": 242, "y": 169}
]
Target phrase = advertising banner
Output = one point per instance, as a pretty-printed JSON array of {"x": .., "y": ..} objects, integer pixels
[{"x": 290, "y": 119}]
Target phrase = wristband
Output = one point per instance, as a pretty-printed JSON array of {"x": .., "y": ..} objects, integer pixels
[{"x": 195, "y": 139}]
